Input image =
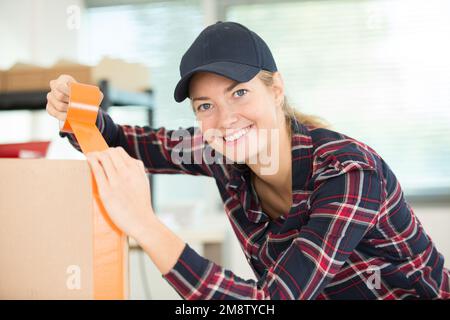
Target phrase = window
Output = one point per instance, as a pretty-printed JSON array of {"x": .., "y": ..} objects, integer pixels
[
  {"x": 156, "y": 34},
  {"x": 378, "y": 71}
]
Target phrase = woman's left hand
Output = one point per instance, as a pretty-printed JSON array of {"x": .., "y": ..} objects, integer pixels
[{"x": 124, "y": 189}]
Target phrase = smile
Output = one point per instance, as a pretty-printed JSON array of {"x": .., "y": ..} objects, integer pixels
[{"x": 238, "y": 134}]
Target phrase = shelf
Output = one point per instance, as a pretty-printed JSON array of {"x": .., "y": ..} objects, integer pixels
[
  {"x": 117, "y": 97},
  {"x": 23, "y": 100},
  {"x": 37, "y": 100}
]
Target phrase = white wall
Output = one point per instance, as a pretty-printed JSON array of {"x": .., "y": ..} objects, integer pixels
[
  {"x": 436, "y": 222},
  {"x": 37, "y": 31}
]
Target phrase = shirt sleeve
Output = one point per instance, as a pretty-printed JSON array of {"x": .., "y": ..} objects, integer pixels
[
  {"x": 343, "y": 208},
  {"x": 161, "y": 150}
]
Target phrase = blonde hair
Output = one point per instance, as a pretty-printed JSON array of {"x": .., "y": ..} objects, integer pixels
[{"x": 289, "y": 111}]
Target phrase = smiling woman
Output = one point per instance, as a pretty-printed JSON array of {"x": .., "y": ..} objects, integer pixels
[{"x": 318, "y": 214}]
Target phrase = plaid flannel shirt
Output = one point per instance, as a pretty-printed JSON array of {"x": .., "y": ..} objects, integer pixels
[{"x": 349, "y": 233}]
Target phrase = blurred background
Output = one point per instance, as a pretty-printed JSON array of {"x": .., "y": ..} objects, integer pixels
[{"x": 376, "y": 70}]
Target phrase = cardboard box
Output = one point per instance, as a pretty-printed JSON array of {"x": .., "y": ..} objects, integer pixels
[
  {"x": 121, "y": 75},
  {"x": 82, "y": 73},
  {"x": 49, "y": 234},
  {"x": 2, "y": 80},
  {"x": 25, "y": 77}
]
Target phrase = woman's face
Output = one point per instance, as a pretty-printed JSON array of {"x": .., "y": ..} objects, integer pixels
[{"x": 238, "y": 120}]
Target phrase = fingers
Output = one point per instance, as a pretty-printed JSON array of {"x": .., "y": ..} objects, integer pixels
[
  {"x": 62, "y": 84},
  {"x": 98, "y": 172},
  {"x": 58, "y": 94},
  {"x": 58, "y": 97},
  {"x": 106, "y": 164},
  {"x": 106, "y": 161},
  {"x": 116, "y": 164},
  {"x": 57, "y": 104},
  {"x": 55, "y": 113},
  {"x": 118, "y": 159},
  {"x": 56, "y": 108},
  {"x": 115, "y": 161},
  {"x": 60, "y": 90}
]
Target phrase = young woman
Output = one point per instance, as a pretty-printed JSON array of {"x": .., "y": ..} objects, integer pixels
[{"x": 319, "y": 215}]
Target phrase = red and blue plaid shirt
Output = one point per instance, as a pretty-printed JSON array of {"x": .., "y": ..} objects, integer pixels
[{"x": 349, "y": 234}]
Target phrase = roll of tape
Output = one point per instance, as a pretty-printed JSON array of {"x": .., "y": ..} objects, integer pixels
[{"x": 109, "y": 243}]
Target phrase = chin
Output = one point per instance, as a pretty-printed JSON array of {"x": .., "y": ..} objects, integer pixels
[{"x": 242, "y": 158}]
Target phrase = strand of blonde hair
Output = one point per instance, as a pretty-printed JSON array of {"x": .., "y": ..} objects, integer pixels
[{"x": 289, "y": 111}]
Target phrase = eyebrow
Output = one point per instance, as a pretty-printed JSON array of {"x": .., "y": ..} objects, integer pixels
[{"x": 228, "y": 89}]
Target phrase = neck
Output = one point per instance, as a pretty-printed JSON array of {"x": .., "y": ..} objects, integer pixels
[{"x": 279, "y": 153}]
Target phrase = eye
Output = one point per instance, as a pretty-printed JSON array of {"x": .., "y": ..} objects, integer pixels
[
  {"x": 240, "y": 92},
  {"x": 204, "y": 107}
]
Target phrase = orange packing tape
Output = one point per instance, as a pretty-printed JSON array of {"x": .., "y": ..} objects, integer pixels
[{"x": 110, "y": 245}]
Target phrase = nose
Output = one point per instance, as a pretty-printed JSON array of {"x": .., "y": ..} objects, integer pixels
[{"x": 228, "y": 117}]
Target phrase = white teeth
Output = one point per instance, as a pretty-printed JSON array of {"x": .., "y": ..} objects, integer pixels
[{"x": 237, "y": 135}]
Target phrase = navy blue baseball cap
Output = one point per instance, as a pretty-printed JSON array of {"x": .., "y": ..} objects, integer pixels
[{"x": 228, "y": 49}]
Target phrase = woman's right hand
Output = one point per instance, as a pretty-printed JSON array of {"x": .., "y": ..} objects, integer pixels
[{"x": 58, "y": 97}]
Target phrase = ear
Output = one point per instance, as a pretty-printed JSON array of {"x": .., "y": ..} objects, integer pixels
[{"x": 278, "y": 88}]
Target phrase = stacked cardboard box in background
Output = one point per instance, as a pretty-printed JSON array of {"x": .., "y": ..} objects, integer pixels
[
  {"x": 133, "y": 77},
  {"x": 1, "y": 80}
]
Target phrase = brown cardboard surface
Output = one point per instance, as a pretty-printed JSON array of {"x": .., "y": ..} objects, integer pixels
[
  {"x": 24, "y": 77},
  {"x": 46, "y": 229},
  {"x": 2, "y": 80},
  {"x": 82, "y": 73},
  {"x": 120, "y": 74}
]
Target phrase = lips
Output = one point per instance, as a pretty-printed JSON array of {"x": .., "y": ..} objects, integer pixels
[{"x": 237, "y": 134}]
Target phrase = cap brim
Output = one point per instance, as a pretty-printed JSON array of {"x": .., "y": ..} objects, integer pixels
[{"x": 234, "y": 71}]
